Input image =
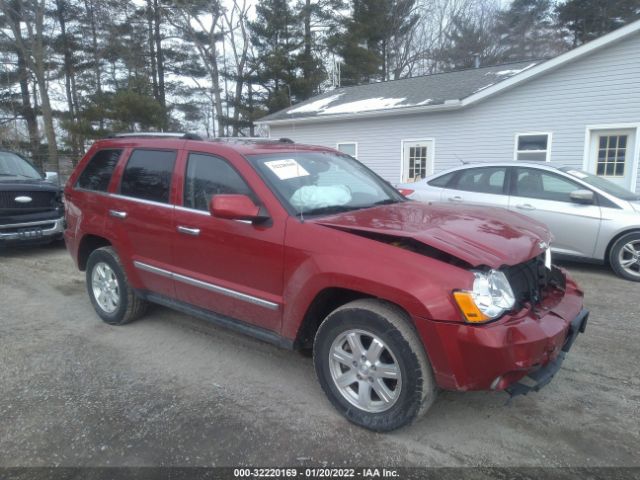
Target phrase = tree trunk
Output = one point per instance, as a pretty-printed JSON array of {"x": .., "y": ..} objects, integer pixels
[
  {"x": 40, "y": 72},
  {"x": 27, "y": 110},
  {"x": 97, "y": 71},
  {"x": 152, "y": 50},
  {"x": 159, "y": 61},
  {"x": 68, "y": 77}
]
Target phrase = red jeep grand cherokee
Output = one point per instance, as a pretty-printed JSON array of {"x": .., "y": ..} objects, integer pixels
[{"x": 306, "y": 248}]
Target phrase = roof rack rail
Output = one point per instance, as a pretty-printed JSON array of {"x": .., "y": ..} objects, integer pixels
[
  {"x": 186, "y": 136},
  {"x": 253, "y": 139}
]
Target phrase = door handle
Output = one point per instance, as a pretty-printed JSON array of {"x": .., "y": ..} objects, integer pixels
[
  {"x": 189, "y": 231},
  {"x": 525, "y": 206},
  {"x": 456, "y": 198},
  {"x": 118, "y": 214}
]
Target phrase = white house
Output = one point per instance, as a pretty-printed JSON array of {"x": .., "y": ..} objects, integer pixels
[{"x": 580, "y": 109}]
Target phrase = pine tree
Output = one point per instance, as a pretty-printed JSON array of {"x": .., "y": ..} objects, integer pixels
[
  {"x": 527, "y": 30},
  {"x": 589, "y": 19},
  {"x": 276, "y": 37},
  {"x": 371, "y": 39}
]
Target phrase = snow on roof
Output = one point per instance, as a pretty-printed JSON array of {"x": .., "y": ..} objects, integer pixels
[
  {"x": 513, "y": 71},
  {"x": 316, "y": 106},
  {"x": 427, "y": 90}
]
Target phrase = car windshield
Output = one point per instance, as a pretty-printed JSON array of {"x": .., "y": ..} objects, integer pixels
[
  {"x": 11, "y": 165},
  {"x": 315, "y": 183},
  {"x": 603, "y": 184}
]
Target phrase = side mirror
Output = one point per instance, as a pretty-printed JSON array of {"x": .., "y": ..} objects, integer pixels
[
  {"x": 235, "y": 207},
  {"x": 582, "y": 196},
  {"x": 52, "y": 177}
]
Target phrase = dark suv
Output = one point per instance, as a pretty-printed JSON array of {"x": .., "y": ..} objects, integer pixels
[
  {"x": 31, "y": 208},
  {"x": 306, "y": 248}
]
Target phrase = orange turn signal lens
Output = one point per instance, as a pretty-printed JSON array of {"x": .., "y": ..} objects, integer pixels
[{"x": 471, "y": 312}]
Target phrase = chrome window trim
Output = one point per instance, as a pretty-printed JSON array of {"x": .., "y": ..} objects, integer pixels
[
  {"x": 142, "y": 200},
  {"x": 193, "y": 210},
  {"x": 205, "y": 285}
]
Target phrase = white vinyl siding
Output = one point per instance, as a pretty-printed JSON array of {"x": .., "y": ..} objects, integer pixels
[{"x": 601, "y": 88}]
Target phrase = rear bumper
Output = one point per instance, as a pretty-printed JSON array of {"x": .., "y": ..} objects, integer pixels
[
  {"x": 498, "y": 355},
  {"x": 34, "y": 231}
]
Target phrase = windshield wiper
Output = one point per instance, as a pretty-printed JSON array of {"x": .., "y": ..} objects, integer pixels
[
  {"x": 330, "y": 209},
  {"x": 386, "y": 201}
]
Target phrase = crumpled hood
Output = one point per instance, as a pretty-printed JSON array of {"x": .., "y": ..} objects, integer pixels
[{"x": 476, "y": 235}]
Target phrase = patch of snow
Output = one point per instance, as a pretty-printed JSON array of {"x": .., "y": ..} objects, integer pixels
[
  {"x": 316, "y": 106},
  {"x": 513, "y": 72},
  {"x": 369, "y": 104},
  {"x": 424, "y": 102},
  {"x": 482, "y": 88}
]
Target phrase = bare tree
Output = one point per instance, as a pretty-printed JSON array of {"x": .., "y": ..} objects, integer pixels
[
  {"x": 32, "y": 47},
  {"x": 205, "y": 35}
]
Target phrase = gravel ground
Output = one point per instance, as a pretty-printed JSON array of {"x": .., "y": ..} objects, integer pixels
[{"x": 174, "y": 390}]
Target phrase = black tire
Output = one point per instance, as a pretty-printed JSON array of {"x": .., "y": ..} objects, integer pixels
[
  {"x": 615, "y": 254},
  {"x": 130, "y": 306},
  {"x": 417, "y": 391}
]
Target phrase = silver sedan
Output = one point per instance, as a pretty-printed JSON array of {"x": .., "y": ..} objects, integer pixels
[{"x": 590, "y": 217}]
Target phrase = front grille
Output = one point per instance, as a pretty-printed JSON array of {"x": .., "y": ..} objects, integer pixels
[
  {"x": 530, "y": 279},
  {"x": 40, "y": 201}
]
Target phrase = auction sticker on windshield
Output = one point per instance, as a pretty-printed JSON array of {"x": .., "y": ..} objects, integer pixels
[{"x": 286, "y": 169}]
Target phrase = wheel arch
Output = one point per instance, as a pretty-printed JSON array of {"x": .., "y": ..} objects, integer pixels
[
  {"x": 88, "y": 244},
  {"x": 614, "y": 239},
  {"x": 325, "y": 302}
]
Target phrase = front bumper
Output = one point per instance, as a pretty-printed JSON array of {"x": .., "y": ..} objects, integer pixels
[
  {"x": 496, "y": 356},
  {"x": 40, "y": 230},
  {"x": 537, "y": 379}
]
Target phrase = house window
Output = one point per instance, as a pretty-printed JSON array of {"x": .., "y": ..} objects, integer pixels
[
  {"x": 417, "y": 162},
  {"x": 612, "y": 154},
  {"x": 350, "y": 148},
  {"x": 533, "y": 147}
]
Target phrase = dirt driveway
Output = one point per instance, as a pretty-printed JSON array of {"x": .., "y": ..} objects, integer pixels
[{"x": 173, "y": 390}]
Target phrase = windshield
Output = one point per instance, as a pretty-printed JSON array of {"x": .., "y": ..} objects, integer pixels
[
  {"x": 314, "y": 183},
  {"x": 602, "y": 183},
  {"x": 11, "y": 165}
]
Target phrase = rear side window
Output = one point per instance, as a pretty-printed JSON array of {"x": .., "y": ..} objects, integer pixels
[
  {"x": 441, "y": 181},
  {"x": 148, "y": 175},
  {"x": 208, "y": 176},
  {"x": 482, "y": 180},
  {"x": 97, "y": 174}
]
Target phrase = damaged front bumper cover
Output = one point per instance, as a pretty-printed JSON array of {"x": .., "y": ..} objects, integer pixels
[{"x": 537, "y": 379}]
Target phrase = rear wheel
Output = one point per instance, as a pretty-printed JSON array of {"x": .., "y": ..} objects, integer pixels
[
  {"x": 372, "y": 366},
  {"x": 624, "y": 256},
  {"x": 112, "y": 297}
]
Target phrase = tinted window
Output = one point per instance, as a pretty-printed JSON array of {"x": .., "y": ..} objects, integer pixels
[
  {"x": 148, "y": 175},
  {"x": 208, "y": 176},
  {"x": 97, "y": 174},
  {"x": 543, "y": 185},
  {"x": 441, "y": 181},
  {"x": 481, "y": 180}
]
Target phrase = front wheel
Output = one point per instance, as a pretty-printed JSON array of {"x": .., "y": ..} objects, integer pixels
[
  {"x": 624, "y": 256},
  {"x": 372, "y": 365}
]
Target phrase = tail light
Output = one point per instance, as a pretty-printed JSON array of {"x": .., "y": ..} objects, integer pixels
[{"x": 405, "y": 191}]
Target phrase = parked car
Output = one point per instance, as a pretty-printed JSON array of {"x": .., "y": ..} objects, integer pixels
[
  {"x": 306, "y": 248},
  {"x": 591, "y": 218},
  {"x": 30, "y": 205}
]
